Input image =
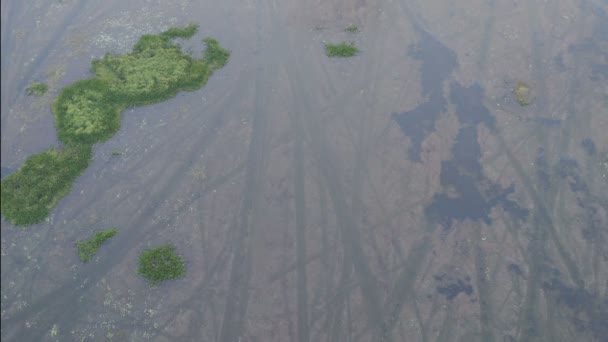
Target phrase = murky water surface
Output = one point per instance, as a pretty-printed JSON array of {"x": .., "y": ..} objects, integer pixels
[{"x": 399, "y": 195}]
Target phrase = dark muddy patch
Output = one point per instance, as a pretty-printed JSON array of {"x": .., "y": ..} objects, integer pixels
[
  {"x": 515, "y": 270},
  {"x": 595, "y": 223},
  {"x": 568, "y": 169},
  {"x": 438, "y": 62},
  {"x": 451, "y": 287},
  {"x": 587, "y": 311},
  {"x": 588, "y": 146},
  {"x": 471, "y": 195}
]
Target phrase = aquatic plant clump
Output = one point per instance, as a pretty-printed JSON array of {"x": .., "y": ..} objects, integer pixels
[
  {"x": 343, "y": 49},
  {"x": 85, "y": 112},
  {"x": 522, "y": 94},
  {"x": 157, "y": 69},
  {"x": 29, "y": 192},
  {"x": 215, "y": 56},
  {"x": 352, "y": 28},
  {"x": 88, "y": 111},
  {"x": 160, "y": 263},
  {"x": 36, "y": 88},
  {"x": 87, "y": 248}
]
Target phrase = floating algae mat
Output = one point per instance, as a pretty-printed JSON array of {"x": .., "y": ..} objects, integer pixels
[
  {"x": 160, "y": 263},
  {"x": 87, "y": 248},
  {"x": 343, "y": 49},
  {"x": 522, "y": 94},
  {"x": 37, "y": 88},
  {"x": 88, "y": 111}
]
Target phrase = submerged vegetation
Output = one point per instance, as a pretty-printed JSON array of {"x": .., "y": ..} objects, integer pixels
[
  {"x": 352, "y": 28},
  {"x": 29, "y": 193},
  {"x": 343, "y": 49},
  {"x": 88, "y": 111},
  {"x": 160, "y": 263},
  {"x": 36, "y": 88},
  {"x": 522, "y": 94},
  {"x": 87, "y": 248}
]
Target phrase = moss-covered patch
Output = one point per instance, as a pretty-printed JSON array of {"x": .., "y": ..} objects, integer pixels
[
  {"x": 352, "y": 28},
  {"x": 180, "y": 32},
  {"x": 215, "y": 56},
  {"x": 36, "y": 88},
  {"x": 85, "y": 112},
  {"x": 160, "y": 263},
  {"x": 88, "y": 111},
  {"x": 87, "y": 248},
  {"x": 29, "y": 193},
  {"x": 522, "y": 94},
  {"x": 157, "y": 69},
  {"x": 343, "y": 49}
]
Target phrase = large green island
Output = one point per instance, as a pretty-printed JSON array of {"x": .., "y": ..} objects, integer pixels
[{"x": 89, "y": 111}]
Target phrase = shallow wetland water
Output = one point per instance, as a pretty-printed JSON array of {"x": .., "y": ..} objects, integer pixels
[{"x": 402, "y": 194}]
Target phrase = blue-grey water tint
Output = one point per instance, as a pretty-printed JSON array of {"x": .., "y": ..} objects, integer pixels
[
  {"x": 451, "y": 287},
  {"x": 589, "y": 311},
  {"x": 5, "y": 171},
  {"x": 589, "y": 146},
  {"x": 438, "y": 62},
  {"x": 475, "y": 195}
]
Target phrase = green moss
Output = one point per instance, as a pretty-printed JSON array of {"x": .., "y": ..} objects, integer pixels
[
  {"x": 88, "y": 111},
  {"x": 160, "y": 263},
  {"x": 157, "y": 69},
  {"x": 85, "y": 112},
  {"x": 522, "y": 94},
  {"x": 87, "y": 248},
  {"x": 215, "y": 56},
  {"x": 116, "y": 153},
  {"x": 352, "y": 28},
  {"x": 45, "y": 177},
  {"x": 36, "y": 88},
  {"x": 343, "y": 49},
  {"x": 181, "y": 32}
]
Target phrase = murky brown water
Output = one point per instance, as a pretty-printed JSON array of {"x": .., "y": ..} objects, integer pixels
[{"x": 289, "y": 185}]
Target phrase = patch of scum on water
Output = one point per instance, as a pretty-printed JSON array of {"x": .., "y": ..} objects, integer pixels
[{"x": 119, "y": 33}]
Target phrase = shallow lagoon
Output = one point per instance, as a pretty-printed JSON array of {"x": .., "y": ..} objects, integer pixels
[{"x": 289, "y": 183}]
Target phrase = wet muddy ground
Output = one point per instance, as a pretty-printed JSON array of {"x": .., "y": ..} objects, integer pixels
[{"x": 399, "y": 195}]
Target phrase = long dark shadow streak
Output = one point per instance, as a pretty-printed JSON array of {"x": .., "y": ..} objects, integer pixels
[
  {"x": 237, "y": 297},
  {"x": 330, "y": 170}
]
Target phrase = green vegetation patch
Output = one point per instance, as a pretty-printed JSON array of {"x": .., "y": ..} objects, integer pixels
[
  {"x": 157, "y": 69},
  {"x": 522, "y": 94},
  {"x": 343, "y": 49},
  {"x": 352, "y": 28},
  {"x": 45, "y": 177},
  {"x": 36, "y": 88},
  {"x": 180, "y": 32},
  {"x": 87, "y": 248},
  {"x": 215, "y": 56},
  {"x": 88, "y": 111},
  {"x": 160, "y": 263}
]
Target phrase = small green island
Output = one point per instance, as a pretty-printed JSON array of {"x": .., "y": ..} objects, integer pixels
[
  {"x": 89, "y": 111},
  {"x": 158, "y": 264},
  {"x": 522, "y": 94},
  {"x": 343, "y": 49},
  {"x": 37, "y": 89},
  {"x": 352, "y": 28},
  {"x": 87, "y": 248}
]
